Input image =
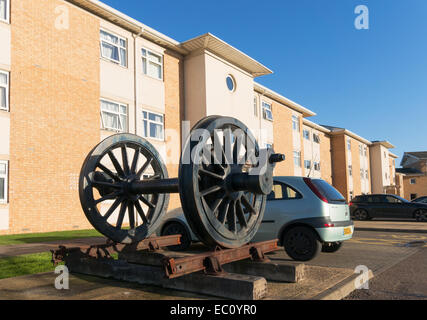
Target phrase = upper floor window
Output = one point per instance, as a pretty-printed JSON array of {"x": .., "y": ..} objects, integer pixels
[
  {"x": 350, "y": 170},
  {"x": 307, "y": 164},
  {"x": 295, "y": 123},
  {"x": 367, "y": 174},
  {"x": 366, "y": 151},
  {"x": 306, "y": 134},
  {"x": 4, "y": 10},
  {"x": 114, "y": 48},
  {"x": 297, "y": 158},
  {"x": 152, "y": 64},
  {"x": 4, "y": 90},
  {"x": 153, "y": 125},
  {"x": 413, "y": 181},
  {"x": 256, "y": 106},
  {"x": 317, "y": 166},
  {"x": 349, "y": 144},
  {"x": 113, "y": 116},
  {"x": 3, "y": 181},
  {"x": 316, "y": 138},
  {"x": 267, "y": 112},
  {"x": 360, "y": 149},
  {"x": 362, "y": 173}
]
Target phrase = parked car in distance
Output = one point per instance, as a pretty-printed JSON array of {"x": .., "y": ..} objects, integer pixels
[
  {"x": 420, "y": 200},
  {"x": 306, "y": 216},
  {"x": 366, "y": 207}
]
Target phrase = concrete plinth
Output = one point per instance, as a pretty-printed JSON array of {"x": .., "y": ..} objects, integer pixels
[
  {"x": 227, "y": 285},
  {"x": 291, "y": 272}
]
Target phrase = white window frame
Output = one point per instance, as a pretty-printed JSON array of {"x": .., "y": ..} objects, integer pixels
[
  {"x": 162, "y": 123},
  {"x": 7, "y": 89},
  {"x": 147, "y": 60},
  {"x": 297, "y": 155},
  {"x": 115, "y": 113},
  {"x": 256, "y": 106},
  {"x": 267, "y": 111},
  {"x": 119, "y": 62},
  {"x": 7, "y": 20},
  {"x": 295, "y": 123},
  {"x": 6, "y": 183}
]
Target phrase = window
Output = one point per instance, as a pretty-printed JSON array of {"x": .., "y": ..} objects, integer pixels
[
  {"x": 414, "y": 196},
  {"x": 307, "y": 164},
  {"x": 306, "y": 134},
  {"x": 349, "y": 144},
  {"x": 268, "y": 146},
  {"x": 360, "y": 149},
  {"x": 367, "y": 174},
  {"x": 316, "y": 138},
  {"x": 4, "y": 10},
  {"x": 317, "y": 166},
  {"x": 413, "y": 181},
  {"x": 113, "y": 116},
  {"x": 153, "y": 125},
  {"x": 350, "y": 170},
  {"x": 366, "y": 151},
  {"x": 256, "y": 106},
  {"x": 351, "y": 195},
  {"x": 3, "y": 181},
  {"x": 152, "y": 64},
  {"x": 295, "y": 123},
  {"x": 283, "y": 192},
  {"x": 297, "y": 158},
  {"x": 114, "y": 48},
  {"x": 231, "y": 83},
  {"x": 362, "y": 173},
  {"x": 4, "y": 91},
  {"x": 267, "y": 111}
]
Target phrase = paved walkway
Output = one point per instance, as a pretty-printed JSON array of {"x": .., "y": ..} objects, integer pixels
[
  {"x": 29, "y": 248},
  {"x": 391, "y": 226}
]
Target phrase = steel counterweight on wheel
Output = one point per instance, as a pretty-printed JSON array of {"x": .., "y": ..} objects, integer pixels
[{"x": 124, "y": 185}]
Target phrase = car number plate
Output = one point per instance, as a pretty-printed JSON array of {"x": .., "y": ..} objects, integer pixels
[{"x": 347, "y": 231}]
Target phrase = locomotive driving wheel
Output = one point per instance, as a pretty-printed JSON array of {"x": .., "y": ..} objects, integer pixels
[
  {"x": 220, "y": 198},
  {"x": 109, "y": 202}
]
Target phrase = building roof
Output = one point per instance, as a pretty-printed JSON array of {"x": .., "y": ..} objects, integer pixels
[
  {"x": 315, "y": 126},
  {"x": 393, "y": 155},
  {"x": 408, "y": 171},
  {"x": 419, "y": 154},
  {"x": 384, "y": 143},
  {"x": 222, "y": 49},
  {"x": 283, "y": 100},
  {"x": 337, "y": 131}
]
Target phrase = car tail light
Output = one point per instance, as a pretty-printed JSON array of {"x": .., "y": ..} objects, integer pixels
[
  {"x": 350, "y": 204},
  {"x": 316, "y": 191},
  {"x": 329, "y": 225}
]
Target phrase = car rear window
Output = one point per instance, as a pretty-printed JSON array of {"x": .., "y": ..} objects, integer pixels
[{"x": 328, "y": 191}]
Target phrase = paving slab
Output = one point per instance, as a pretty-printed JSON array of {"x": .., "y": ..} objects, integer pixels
[{"x": 391, "y": 226}]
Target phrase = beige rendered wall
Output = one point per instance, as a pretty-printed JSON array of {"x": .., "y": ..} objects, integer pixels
[
  {"x": 339, "y": 164},
  {"x": 419, "y": 188},
  {"x": 376, "y": 169},
  {"x": 325, "y": 157},
  {"x": 357, "y": 187},
  {"x": 312, "y": 152},
  {"x": 54, "y": 114}
]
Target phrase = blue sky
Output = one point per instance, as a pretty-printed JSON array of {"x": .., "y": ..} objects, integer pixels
[{"x": 372, "y": 82}]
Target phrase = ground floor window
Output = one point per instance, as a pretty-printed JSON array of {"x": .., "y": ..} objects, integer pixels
[
  {"x": 153, "y": 125},
  {"x": 297, "y": 158},
  {"x": 414, "y": 196},
  {"x": 3, "y": 181}
]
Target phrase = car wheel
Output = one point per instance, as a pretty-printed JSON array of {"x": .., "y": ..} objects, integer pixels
[
  {"x": 177, "y": 228},
  {"x": 331, "y": 247},
  {"x": 360, "y": 214},
  {"x": 421, "y": 215},
  {"x": 301, "y": 243}
]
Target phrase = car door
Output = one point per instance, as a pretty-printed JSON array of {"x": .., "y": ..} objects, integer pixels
[
  {"x": 375, "y": 206},
  {"x": 282, "y": 206},
  {"x": 395, "y": 208}
]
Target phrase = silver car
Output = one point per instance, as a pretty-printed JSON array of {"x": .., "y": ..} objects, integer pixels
[{"x": 306, "y": 215}]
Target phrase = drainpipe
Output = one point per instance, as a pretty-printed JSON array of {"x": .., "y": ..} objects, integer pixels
[{"x": 135, "y": 86}]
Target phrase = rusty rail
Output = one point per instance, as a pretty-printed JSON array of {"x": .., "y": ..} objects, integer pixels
[{"x": 211, "y": 262}]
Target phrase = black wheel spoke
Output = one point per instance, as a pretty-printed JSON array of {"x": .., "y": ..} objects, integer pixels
[
  {"x": 135, "y": 160},
  {"x": 223, "y": 212},
  {"x": 131, "y": 213},
  {"x": 216, "y": 205},
  {"x": 141, "y": 212},
  {"x": 210, "y": 190},
  {"x": 106, "y": 184},
  {"x": 248, "y": 205},
  {"x": 231, "y": 217},
  {"x": 113, "y": 207},
  {"x": 108, "y": 172},
  {"x": 211, "y": 174},
  {"x": 111, "y": 196},
  {"x": 144, "y": 167},
  {"x": 116, "y": 163},
  {"x": 121, "y": 215},
  {"x": 241, "y": 215},
  {"x": 125, "y": 159},
  {"x": 146, "y": 202}
]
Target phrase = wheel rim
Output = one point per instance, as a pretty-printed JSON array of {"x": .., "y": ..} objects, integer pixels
[
  {"x": 216, "y": 213},
  {"x": 299, "y": 242},
  {"x": 360, "y": 214},
  {"x": 106, "y": 175}
]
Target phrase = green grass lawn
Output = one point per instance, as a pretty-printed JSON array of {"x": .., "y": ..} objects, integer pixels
[
  {"x": 47, "y": 237},
  {"x": 26, "y": 264}
]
